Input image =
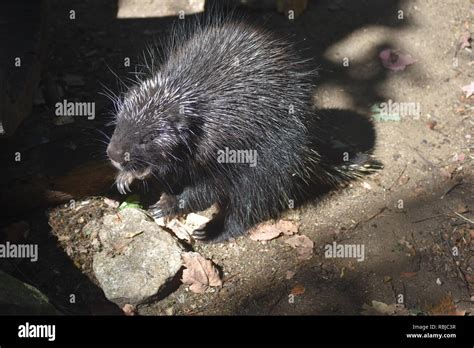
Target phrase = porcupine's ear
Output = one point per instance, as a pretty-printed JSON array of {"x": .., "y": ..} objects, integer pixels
[
  {"x": 181, "y": 117},
  {"x": 176, "y": 116},
  {"x": 186, "y": 124}
]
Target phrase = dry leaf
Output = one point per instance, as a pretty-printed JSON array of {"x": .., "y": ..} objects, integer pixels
[
  {"x": 303, "y": 245},
  {"x": 180, "y": 230},
  {"x": 403, "y": 180},
  {"x": 469, "y": 89},
  {"x": 445, "y": 307},
  {"x": 408, "y": 274},
  {"x": 298, "y": 290},
  {"x": 458, "y": 157},
  {"x": 301, "y": 241},
  {"x": 264, "y": 232},
  {"x": 465, "y": 40},
  {"x": 287, "y": 227},
  {"x": 200, "y": 273},
  {"x": 394, "y": 60},
  {"x": 268, "y": 231},
  {"x": 304, "y": 253}
]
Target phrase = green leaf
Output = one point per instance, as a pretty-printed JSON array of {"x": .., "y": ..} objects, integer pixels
[{"x": 132, "y": 201}]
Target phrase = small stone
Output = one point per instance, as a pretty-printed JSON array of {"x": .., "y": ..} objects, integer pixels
[
  {"x": 431, "y": 124},
  {"x": 129, "y": 310},
  {"x": 438, "y": 281},
  {"x": 111, "y": 203}
]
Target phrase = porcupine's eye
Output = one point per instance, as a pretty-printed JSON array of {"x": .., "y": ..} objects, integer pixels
[{"x": 147, "y": 139}]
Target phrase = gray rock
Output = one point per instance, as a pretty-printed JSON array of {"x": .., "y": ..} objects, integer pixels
[
  {"x": 138, "y": 258},
  {"x": 18, "y": 298}
]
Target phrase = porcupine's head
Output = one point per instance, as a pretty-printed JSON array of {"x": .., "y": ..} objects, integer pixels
[{"x": 152, "y": 135}]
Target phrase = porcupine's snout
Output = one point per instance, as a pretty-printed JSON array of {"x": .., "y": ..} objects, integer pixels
[
  {"x": 116, "y": 155},
  {"x": 126, "y": 158}
]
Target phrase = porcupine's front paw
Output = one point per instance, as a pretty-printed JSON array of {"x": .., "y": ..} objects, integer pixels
[
  {"x": 166, "y": 206},
  {"x": 212, "y": 231}
]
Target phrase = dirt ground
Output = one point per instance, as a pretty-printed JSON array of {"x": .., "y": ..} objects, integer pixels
[{"x": 414, "y": 218}]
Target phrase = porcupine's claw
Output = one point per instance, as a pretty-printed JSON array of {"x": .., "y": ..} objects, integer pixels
[
  {"x": 200, "y": 234},
  {"x": 120, "y": 187},
  {"x": 123, "y": 184},
  {"x": 210, "y": 231},
  {"x": 156, "y": 211},
  {"x": 166, "y": 206}
]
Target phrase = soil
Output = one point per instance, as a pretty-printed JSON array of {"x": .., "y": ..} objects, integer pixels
[{"x": 414, "y": 218}]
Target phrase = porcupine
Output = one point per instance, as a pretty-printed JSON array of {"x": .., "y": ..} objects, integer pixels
[{"x": 225, "y": 86}]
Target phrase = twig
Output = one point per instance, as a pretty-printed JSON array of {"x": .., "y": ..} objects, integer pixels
[
  {"x": 463, "y": 217},
  {"x": 396, "y": 180},
  {"x": 230, "y": 277},
  {"x": 458, "y": 267},
  {"x": 452, "y": 188},
  {"x": 428, "y": 218},
  {"x": 431, "y": 164},
  {"x": 370, "y": 218}
]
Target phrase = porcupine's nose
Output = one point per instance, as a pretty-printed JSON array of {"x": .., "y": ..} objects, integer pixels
[{"x": 115, "y": 154}]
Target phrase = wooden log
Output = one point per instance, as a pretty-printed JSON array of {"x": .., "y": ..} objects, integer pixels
[{"x": 91, "y": 178}]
